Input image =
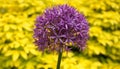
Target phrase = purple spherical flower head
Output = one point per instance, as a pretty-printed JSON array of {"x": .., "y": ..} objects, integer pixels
[{"x": 59, "y": 26}]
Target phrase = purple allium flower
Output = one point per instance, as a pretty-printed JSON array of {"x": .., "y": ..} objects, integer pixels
[{"x": 59, "y": 26}]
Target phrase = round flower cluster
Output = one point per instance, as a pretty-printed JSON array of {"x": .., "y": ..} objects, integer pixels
[{"x": 59, "y": 26}]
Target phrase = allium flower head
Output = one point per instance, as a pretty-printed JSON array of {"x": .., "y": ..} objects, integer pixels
[{"x": 59, "y": 26}]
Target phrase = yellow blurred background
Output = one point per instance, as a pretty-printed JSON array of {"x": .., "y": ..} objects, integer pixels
[{"x": 17, "y": 50}]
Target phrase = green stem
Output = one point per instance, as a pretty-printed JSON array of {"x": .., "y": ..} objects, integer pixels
[{"x": 59, "y": 59}]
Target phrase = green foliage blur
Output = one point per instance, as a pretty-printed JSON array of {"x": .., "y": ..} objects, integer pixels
[{"x": 17, "y": 50}]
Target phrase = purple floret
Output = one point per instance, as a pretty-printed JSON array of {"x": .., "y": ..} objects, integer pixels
[{"x": 59, "y": 26}]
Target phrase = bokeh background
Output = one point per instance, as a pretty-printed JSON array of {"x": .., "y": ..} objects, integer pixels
[{"x": 17, "y": 50}]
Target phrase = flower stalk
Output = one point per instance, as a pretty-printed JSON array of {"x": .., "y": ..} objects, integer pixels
[{"x": 59, "y": 59}]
